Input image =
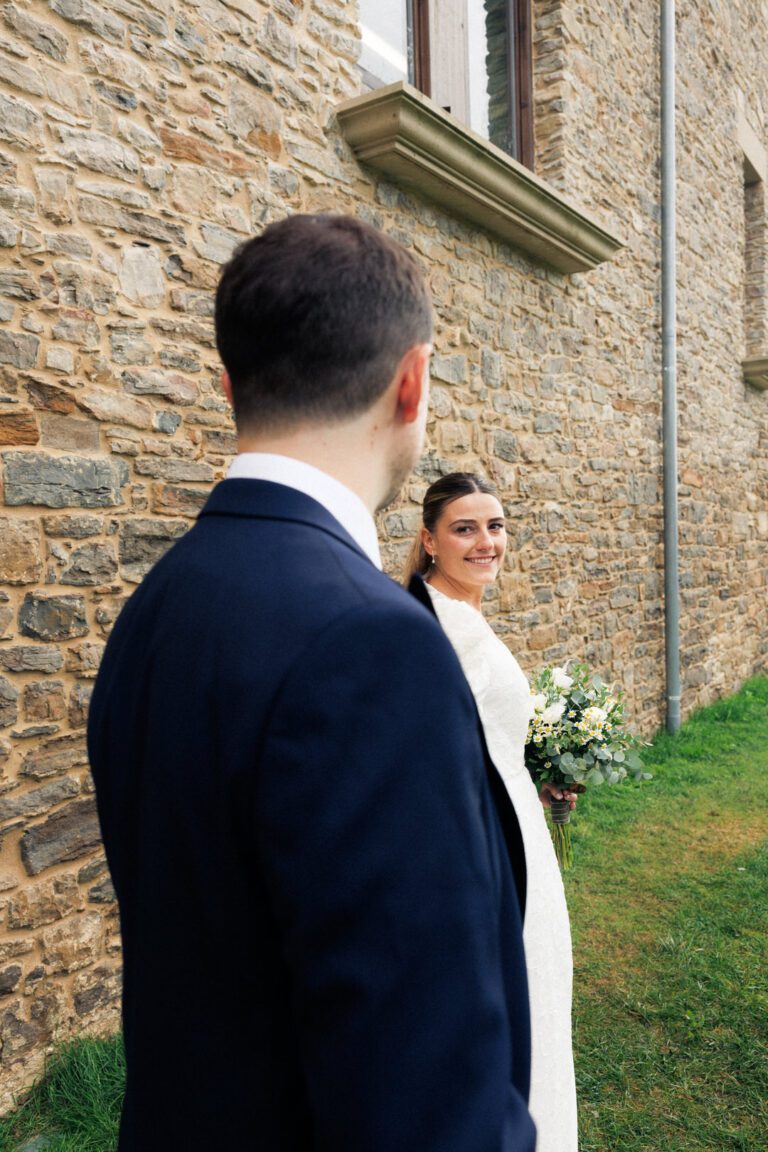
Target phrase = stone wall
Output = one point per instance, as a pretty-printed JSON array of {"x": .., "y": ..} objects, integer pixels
[{"x": 139, "y": 141}]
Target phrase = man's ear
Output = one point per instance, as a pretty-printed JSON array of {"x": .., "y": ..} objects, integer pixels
[
  {"x": 413, "y": 381},
  {"x": 226, "y": 387}
]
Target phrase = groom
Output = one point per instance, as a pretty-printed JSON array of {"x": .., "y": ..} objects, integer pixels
[{"x": 321, "y": 932}]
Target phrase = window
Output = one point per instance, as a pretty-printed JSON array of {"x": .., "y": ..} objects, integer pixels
[
  {"x": 471, "y": 57},
  {"x": 755, "y": 260}
]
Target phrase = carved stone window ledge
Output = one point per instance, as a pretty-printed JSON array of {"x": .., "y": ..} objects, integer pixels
[
  {"x": 755, "y": 370},
  {"x": 401, "y": 133}
]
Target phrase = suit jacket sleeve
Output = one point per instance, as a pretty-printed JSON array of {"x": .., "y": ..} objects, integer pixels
[{"x": 377, "y": 842}]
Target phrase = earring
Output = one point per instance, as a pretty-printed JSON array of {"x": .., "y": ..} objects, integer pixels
[{"x": 434, "y": 559}]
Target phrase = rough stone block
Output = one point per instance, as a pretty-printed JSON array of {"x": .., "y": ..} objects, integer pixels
[
  {"x": 178, "y": 389},
  {"x": 47, "y": 617},
  {"x": 143, "y": 542},
  {"x": 103, "y": 893},
  {"x": 17, "y": 348},
  {"x": 9, "y": 236},
  {"x": 68, "y": 433},
  {"x": 67, "y": 835},
  {"x": 55, "y": 757},
  {"x": 99, "y": 152},
  {"x": 18, "y": 1036},
  {"x": 93, "y": 17},
  {"x": 253, "y": 118},
  {"x": 6, "y": 619},
  {"x": 449, "y": 369},
  {"x": 63, "y": 481},
  {"x": 97, "y": 989},
  {"x": 141, "y": 276},
  {"x": 44, "y": 700},
  {"x": 9, "y": 979},
  {"x": 60, "y": 359},
  {"x": 79, "y": 700},
  {"x": 31, "y": 658},
  {"x": 9, "y": 709},
  {"x": 172, "y": 500},
  {"x": 183, "y": 146},
  {"x": 73, "y": 945},
  {"x": 91, "y": 564},
  {"x": 43, "y": 37},
  {"x": 19, "y": 284},
  {"x": 84, "y": 659},
  {"x": 176, "y": 470},
  {"x": 114, "y": 64},
  {"x": 115, "y": 407},
  {"x": 38, "y": 801},
  {"x": 73, "y": 527},
  {"x": 506, "y": 447},
  {"x": 20, "y": 123},
  {"x": 69, "y": 92},
  {"x": 50, "y": 398},
  {"x": 21, "y": 559},
  {"x": 92, "y": 210},
  {"x": 77, "y": 327},
  {"x": 18, "y": 428},
  {"x": 53, "y": 188}
]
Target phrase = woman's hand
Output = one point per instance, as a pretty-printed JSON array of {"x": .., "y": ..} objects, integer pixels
[{"x": 550, "y": 792}]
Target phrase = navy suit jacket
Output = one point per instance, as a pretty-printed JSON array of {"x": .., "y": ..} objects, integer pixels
[{"x": 321, "y": 933}]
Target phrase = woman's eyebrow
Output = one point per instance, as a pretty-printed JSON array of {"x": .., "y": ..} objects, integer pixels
[{"x": 470, "y": 520}]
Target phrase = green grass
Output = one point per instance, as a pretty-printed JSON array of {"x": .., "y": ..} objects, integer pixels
[
  {"x": 77, "y": 1102},
  {"x": 669, "y": 908}
]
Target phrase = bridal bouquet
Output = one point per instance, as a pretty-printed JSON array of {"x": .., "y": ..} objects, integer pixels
[{"x": 576, "y": 738}]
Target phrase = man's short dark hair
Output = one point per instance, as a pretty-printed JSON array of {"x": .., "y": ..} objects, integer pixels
[{"x": 313, "y": 317}]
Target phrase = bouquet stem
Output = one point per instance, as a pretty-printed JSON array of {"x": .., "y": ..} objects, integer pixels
[{"x": 560, "y": 814}]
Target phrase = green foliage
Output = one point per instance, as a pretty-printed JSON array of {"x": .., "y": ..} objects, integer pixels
[{"x": 577, "y": 734}]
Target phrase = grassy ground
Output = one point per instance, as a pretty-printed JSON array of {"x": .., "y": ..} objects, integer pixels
[
  {"x": 76, "y": 1105},
  {"x": 669, "y": 906}
]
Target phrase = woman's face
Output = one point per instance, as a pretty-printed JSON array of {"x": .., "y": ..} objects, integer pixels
[{"x": 468, "y": 541}]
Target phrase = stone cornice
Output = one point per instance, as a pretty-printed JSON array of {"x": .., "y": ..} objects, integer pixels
[
  {"x": 403, "y": 134},
  {"x": 755, "y": 370}
]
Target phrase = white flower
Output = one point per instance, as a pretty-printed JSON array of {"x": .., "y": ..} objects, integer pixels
[
  {"x": 595, "y": 716},
  {"x": 554, "y": 713},
  {"x": 539, "y": 701},
  {"x": 561, "y": 679}
]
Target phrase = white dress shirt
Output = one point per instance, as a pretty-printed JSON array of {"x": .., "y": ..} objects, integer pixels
[{"x": 342, "y": 503}]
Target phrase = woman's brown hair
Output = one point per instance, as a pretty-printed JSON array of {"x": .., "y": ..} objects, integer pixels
[{"x": 438, "y": 496}]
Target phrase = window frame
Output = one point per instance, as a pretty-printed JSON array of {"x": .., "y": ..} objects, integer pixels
[{"x": 519, "y": 53}]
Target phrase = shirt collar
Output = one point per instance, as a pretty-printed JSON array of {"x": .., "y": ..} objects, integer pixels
[{"x": 342, "y": 503}]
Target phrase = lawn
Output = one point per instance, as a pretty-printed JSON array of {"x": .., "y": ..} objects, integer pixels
[{"x": 669, "y": 907}]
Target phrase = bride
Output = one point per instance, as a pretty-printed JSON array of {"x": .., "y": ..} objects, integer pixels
[{"x": 459, "y": 554}]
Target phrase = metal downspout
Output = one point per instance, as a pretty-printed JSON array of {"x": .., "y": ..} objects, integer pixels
[{"x": 669, "y": 366}]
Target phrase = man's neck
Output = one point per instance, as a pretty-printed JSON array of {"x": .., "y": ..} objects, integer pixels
[{"x": 342, "y": 452}]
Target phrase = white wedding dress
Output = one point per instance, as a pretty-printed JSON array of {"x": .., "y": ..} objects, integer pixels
[{"x": 502, "y": 695}]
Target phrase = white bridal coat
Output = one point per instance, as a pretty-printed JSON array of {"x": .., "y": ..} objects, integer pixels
[{"x": 503, "y": 700}]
